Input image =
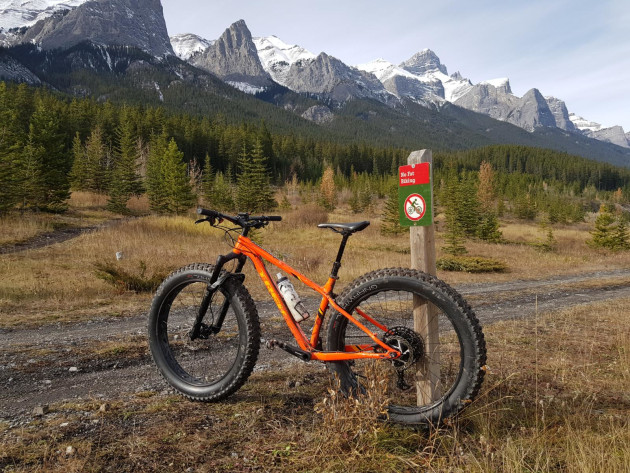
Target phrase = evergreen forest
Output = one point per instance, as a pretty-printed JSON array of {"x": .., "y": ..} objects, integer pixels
[{"x": 51, "y": 144}]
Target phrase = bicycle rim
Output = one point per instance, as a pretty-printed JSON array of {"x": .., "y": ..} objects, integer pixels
[
  {"x": 201, "y": 362},
  {"x": 408, "y": 387}
]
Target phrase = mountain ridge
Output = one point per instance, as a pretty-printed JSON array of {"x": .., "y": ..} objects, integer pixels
[{"x": 321, "y": 89}]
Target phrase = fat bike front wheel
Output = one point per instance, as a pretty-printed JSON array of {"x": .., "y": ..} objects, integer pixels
[{"x": 207, "y": 366}]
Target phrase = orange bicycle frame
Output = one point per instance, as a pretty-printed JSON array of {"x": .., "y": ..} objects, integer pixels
[{"x": 244, "y": 246}]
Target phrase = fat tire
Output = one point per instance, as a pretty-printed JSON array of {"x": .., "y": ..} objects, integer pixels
[
  {"x": 451, "y": 304},
  {"x": 248, "y": 332}
]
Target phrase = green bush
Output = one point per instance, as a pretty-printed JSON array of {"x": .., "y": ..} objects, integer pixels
[
  {"x": 471, "y": 264},
  {"x": 127, "y": 281}
]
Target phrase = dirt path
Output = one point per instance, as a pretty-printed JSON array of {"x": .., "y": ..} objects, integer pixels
[
  {"x": 54, "y": 363},
  {"x": 56, "y": 236}
]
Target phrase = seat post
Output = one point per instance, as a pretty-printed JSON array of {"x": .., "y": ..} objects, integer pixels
[{"x": 337, "y": 264}]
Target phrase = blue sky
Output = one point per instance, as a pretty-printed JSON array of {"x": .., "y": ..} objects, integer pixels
[{"x": 578, "y": 51}]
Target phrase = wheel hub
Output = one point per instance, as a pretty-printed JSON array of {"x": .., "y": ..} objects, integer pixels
[{"x": 408, "y": 343}]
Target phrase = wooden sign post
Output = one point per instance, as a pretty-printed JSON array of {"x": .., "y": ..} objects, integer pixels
[{"x": 422, "y": 237}]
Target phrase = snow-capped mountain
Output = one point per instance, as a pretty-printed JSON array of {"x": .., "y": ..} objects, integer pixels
[
  {"x": 614, "y": 134},
  {"x": 402, "y": 83},
  {"x": 187, "y": 45},
  {"x": 421, "y": 78},
  {"x": 18, "y": 13},
  {"x": 277, "y": 57},
  {"x": 136, "y": 23},
  {"x": 255, "y": 64},
  {"x": 329, "y": 77},
  {"x": 582, "y": 124}
]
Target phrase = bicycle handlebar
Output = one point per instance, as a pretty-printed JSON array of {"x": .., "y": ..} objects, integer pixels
[{"x": 242, "y": 219}]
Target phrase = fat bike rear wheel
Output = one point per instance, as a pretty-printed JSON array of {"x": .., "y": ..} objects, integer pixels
[{"x": 433, "y": 379}]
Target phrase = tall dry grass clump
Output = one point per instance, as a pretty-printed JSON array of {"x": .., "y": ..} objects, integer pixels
[
  {"x": 15, "y": 228},
  {"x": 306, "y": 216},
  {"x": 87, "y": 200}
]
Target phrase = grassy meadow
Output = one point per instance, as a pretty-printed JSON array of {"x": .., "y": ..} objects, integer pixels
[
  {"x": 59, "y": 282},
  {"x": 555, "y": 398}
]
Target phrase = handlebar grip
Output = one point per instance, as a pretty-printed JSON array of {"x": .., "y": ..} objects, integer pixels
[
  {"x": 274, "y": 218},
  {"x": 207, "y": 213}
]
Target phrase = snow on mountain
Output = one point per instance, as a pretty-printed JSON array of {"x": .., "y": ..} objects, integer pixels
[
  {"x": 426, "y": 64},
  {"x": 582, "y": 124},
  {"x": 187, "y": 45},
  {"x": 277, "y": 57},
  {"x": 422, "y": 78},
  {"x": 403, "y": 83},
  {"x": 385, "y": 70},
  {"x": 501, "y": 83},
  {"x": 17, "y": 13}
]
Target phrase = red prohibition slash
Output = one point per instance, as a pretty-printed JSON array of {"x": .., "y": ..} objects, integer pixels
[{"x": 415, "y": 207}]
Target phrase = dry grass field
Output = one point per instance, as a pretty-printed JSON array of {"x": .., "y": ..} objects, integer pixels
[
  {"x": 556, "y": 399},
  {"x": 59, "y": 282},
  {"x": 556, "y": 396}
]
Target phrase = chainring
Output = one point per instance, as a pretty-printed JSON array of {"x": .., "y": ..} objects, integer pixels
[{"x": 408, "y": 343}]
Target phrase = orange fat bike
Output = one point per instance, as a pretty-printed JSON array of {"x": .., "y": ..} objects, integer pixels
[{"x": 204, "y": 331}]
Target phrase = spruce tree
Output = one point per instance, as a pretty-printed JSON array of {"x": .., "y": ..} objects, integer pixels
[
  {"x": 207, "y": 180},
  {"x": 603, "y": 233},
  {"x": 254, "y": 192},
  {"x": 46, "y": 149},
  {"x": 455, "y": 234},
  {"x": 467, "y": 206},
  {"x": 390, "y": 221},
  {"x": 489, "y": 228},
  {"x": 97, "y": 162},
  {"x": 79, "y": 174},
  {"x": 33, "y": 188},
  {"x": 620, "y": 236},
  {"x": 179, "y": 193},
  {"x": 156, "y": 190},
  {"x": 125, "y": 178},
  {"x": 221, "y": 196},
  {"x": 10, "y": 146}
]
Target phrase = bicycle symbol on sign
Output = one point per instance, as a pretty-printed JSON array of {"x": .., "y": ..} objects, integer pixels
[{"x": 415, "y": 207}]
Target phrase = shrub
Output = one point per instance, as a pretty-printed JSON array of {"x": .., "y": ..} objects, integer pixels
[
  {"x": 127, "y": 281},
  {"x": 471, "y": 264},
  {"x": 306, "y": 215}
]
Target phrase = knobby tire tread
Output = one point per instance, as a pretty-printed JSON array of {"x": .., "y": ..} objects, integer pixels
[
  {"x": 472, "y": 389},
  {"x": 250, "y": 313}
]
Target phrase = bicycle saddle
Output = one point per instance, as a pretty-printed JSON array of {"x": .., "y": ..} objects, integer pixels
[{"x": 345, "y": 227}]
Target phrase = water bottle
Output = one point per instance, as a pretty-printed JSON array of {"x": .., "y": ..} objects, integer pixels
[{"x": 291, "y": 298}]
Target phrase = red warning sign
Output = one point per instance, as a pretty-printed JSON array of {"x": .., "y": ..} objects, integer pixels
[{"x": 414, "y": 174}]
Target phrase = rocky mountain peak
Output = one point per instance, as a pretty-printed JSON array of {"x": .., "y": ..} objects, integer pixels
[
  {"x": 327, "y": 75},
  {"x": 560, "y": 113},
  {"x": 277, "y": 56},
  {"x": 424, "y": 62},
  {"x": 534, "y": 111},
  {"x": 234, "y": 58},
  {"x": 136, "y": 23}
]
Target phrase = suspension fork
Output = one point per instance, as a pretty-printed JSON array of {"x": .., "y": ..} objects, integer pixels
[{"x": 199, "y": 330}]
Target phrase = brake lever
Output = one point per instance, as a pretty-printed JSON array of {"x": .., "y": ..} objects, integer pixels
[{"x": 210, "y": 220}]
